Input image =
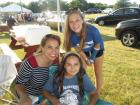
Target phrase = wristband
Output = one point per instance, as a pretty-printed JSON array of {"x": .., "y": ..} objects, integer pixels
[{"x": 93, "y": 55}]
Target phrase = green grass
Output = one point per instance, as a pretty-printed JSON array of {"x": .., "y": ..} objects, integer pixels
[{"x": 121, "y": 68}]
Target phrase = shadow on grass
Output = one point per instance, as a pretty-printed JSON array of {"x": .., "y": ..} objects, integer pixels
[
  {"x": 4, "y": 35},
  {"x": 137, "y": 46},
  {"x": 108, "y": 37},
  {"x": 110, "y": 25}
]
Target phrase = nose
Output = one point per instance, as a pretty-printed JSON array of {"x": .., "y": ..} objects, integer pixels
[
  {"x": 72, "y": 68},
  {"x": 55, "y": 51},
  {"x": 74, "y": 24}
]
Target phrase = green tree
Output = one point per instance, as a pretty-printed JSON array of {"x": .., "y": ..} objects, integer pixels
[
  {"x": 43, "y": 5},
  {"x": 101, "y": 6},
  {"x": 122, "y": 4},
  {"x": 97, "y": 5},
  {"x": 6, "y": 4},
  {"x": 91, "y": 5},
  {"x": 63, "y": 5},
  {"x": 52, "y": 5},
  {"x": 82, "y": 4},
  {"x": 35, "y": 7}
]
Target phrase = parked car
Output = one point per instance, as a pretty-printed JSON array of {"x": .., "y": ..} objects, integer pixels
[
  {"x": 107, "y": 10},
  {"x": 128, "y": 32},
  {"x": 118, "y": 15},
  {"x": 93, "y": 10}
]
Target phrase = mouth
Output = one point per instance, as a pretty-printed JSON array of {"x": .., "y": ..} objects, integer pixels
[
  {"x": 75, "y": 28},
  {"x": 53, "y": 56}
]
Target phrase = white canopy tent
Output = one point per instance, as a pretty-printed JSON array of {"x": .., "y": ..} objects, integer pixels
[
  {"x": 0, "y": 9},
  {"x": 15, "y": 9}
]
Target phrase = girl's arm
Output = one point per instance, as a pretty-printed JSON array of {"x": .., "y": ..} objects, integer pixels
[
  {"x": 54, "y": 100},
  {"x": 93, "y": 98},
  {"x": 94, "y": 53},
  {"x": 83, "y": 56}
]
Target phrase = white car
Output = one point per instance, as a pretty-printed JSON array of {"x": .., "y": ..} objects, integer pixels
[{"x": 107, "y": 10}]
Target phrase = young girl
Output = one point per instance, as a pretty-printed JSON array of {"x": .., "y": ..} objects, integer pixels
[
  {"x": 87, "y": 41},
  {"x": 68, "y": 85}
]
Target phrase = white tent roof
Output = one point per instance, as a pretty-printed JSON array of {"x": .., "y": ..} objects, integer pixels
[
  {"x": 15, "y": 8},
  {"x": 0, "y": 9}
]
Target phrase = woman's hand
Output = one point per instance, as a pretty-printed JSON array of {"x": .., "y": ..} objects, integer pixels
[
  {"x": 25, "y": 100},
  {"x": 56, "y": 101}
]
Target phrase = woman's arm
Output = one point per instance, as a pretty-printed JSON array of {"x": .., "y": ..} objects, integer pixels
[
  {"x": 24, "y": 98},
  {"x": 22, "y": 78},
  {"x": 54, "y": 100}
]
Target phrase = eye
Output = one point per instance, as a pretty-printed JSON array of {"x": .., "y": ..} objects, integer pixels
[
  {"x": 77, "y": 20},
  {"x": 67, "y": 64},
  {"x": 49, "y": 47},
  {"x": 57, "y": 48},
  {"x": 76, "y": 64},
  {"x": 70, "y": 22}
]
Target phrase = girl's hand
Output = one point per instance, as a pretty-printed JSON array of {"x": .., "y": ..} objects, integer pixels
[
  {"x": 93, "y": 98},
  {"x": 25, "y": 101},
  {"x": 85, "y": 59}
]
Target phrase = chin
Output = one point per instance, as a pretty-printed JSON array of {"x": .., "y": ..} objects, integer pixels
[
  {"x": 52, "y": 59},
  {"x": 77, "y": 31}
]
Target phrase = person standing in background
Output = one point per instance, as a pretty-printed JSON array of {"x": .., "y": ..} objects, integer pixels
[{"x": 11, "y": 22}]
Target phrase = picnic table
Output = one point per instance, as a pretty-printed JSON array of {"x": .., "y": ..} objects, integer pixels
[
  {"x": 27, "y": 37},
  {"x": 4, "y": 28}
]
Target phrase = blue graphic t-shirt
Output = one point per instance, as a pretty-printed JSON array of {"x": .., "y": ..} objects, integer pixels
[
  {"x": 93, "y": 37},
  {"x": 70, "y": 94}
]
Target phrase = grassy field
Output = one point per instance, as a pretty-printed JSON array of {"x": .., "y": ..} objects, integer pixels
[{"x": 121, "y": 68}]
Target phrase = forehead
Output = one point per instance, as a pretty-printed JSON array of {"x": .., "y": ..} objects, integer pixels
[
  {"x": 74, "y": 16},
  {"x": 52, "y": 41},
  {"x": 72, "y": 58}
]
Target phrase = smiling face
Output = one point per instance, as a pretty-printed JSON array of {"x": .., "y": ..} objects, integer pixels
[
  {"x": 51, "y": 49},
  {"x": 75, "y": 22},
  {"x": 72, "y": 66}
]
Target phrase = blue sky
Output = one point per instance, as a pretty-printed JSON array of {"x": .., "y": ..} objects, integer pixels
[{"x": 92, "y": 1}]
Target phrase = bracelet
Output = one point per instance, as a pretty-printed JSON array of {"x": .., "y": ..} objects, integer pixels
[{"x": 97, "y": 49}]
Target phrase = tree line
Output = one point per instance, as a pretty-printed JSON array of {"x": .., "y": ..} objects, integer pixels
[{"x": 43, "y": 5}]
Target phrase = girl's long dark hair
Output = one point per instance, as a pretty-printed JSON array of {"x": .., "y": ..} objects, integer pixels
[{"x": 59, "y": 76}]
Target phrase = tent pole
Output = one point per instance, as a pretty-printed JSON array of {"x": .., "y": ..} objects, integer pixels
[
  {"x": 21, "y": 6},
  {"x": 58, "y": 15}
]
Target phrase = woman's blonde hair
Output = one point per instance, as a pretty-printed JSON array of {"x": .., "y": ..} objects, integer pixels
[{"x": 67, "y": 30}]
